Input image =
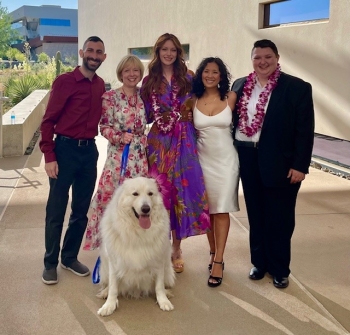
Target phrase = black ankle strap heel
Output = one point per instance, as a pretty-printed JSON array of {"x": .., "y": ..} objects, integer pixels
[
  {"x": 218, "y": 280},
  {"x": 210, "y": 265}
]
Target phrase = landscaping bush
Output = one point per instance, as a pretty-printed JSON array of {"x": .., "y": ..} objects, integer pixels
[
  {"x": 21, "y": 80},
  {"x": 18, "y": 89}
]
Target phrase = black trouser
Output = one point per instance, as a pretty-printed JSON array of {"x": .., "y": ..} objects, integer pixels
[
  {"x": 77, "y": 168},
  {"x": 271, "y": 215}
]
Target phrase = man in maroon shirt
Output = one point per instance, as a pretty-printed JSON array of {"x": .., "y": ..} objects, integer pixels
[{"x": 73, "y": 113}]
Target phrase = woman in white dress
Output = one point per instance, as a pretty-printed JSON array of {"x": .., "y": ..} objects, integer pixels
[{"x": 212, "y": 116}]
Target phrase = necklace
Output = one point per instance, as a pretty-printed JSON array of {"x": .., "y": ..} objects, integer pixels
[
  {"x": 167, "y": 126},
  {"x": 259, "y": 116},
  {"x": 132, "y": 100},
  {"x": 208, "y": 103}
]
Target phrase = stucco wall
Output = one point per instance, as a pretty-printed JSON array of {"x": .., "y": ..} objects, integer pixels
[{"x": 317, "y": 52}]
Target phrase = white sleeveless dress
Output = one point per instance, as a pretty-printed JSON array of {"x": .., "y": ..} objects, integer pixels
[{"x": 219, "y": 159}]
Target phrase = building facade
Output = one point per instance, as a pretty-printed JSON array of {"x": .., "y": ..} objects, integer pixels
[
  {"x": 48, "y": 29},
  {"x": 317, "y": 50}
]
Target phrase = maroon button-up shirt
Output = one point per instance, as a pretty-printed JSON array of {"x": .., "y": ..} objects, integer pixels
[{"x": 74, "y": 110}]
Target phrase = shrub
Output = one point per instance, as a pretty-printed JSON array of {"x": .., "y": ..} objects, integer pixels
[
  {"x": 18, "y": 89},
  {"x": 23, "y": 79},
  {"x": 43, "y": 58}
]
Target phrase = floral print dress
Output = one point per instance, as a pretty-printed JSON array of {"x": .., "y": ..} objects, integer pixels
[
  {"x": 117, "y": 117},
  {"x": 175, "y": 153}
]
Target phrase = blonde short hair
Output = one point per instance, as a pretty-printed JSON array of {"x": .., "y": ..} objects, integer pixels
[{"x": 125, "y": 61}]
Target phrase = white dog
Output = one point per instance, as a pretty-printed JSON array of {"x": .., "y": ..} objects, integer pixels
[{"x": 135, "y": 250}]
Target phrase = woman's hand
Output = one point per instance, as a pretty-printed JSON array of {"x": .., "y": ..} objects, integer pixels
[{"x": 127, "y": 138}]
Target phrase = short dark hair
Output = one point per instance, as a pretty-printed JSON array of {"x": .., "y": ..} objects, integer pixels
[
  {"x": 92, "y": 39},
  {"x": 225, "y": 77},
  {"x": 265, "y": 44}
]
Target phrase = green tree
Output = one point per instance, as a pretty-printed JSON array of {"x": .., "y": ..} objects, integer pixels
[
  {"x": 21, "y": 57},
  {"x": 43, "y": 58},
  {"x": 7, "y": 34},
  {"x": 14, "y": 54},
  {"x": 11, "y": 55}
]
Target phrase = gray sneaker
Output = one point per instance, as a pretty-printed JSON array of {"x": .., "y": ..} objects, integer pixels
[
  {"x": 77, "y": 268},
  {"x": 50, "y": 276}
]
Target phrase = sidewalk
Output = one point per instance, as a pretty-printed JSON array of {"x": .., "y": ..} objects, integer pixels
[{"x": 317, "y": 302}]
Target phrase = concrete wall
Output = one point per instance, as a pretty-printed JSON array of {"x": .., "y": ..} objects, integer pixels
[
  {"x": 66, "y": 49},
  {"x": 317, "y": 52},
  {"x": 29, "y": 113}
]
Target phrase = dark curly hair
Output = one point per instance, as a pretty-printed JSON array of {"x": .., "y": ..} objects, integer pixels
[{"x": 225, "y": 77}]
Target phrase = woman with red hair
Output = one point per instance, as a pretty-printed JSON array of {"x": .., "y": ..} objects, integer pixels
[{"x": 172, "y": 141}]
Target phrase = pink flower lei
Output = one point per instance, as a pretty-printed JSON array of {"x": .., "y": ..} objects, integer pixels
[
  {"x": 174, "y": 116},
  {"x": 260, "y": 106}
]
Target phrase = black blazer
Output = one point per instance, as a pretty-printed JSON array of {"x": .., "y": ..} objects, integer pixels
[{"x": 287, "y": 133}]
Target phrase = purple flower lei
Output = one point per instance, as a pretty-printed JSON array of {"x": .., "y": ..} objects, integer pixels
[
  {"x": 166, "y": 127},
  {"x": 260, "y": 106}
]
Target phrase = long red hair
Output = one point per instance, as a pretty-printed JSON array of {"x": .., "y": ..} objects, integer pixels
[{"x": 155, "y": 72}]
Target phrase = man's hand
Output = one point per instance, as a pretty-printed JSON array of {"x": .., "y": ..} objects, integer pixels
[
  {"x": 295, "y": 176},
  {"x": 52, "y": 169}
]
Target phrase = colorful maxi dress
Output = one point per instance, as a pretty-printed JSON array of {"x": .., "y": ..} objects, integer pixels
[
  {"x": 175, "y": 154},
  {"x": 117, "y": 117}
]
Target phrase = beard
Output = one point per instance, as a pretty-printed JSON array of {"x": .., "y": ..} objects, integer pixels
[{"x": 91, "y": 67}]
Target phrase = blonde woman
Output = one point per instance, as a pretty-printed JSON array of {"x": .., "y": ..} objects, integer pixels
[{"x": 123, "y": 122}]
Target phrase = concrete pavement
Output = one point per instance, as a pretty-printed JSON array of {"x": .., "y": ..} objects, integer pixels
[{"x": 317, "y": 301}]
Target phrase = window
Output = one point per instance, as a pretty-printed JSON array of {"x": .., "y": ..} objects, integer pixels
[
  {"x": 142, "y": 53},
  {"x": 291, "y": 11},
  {"x": 145, "y": 54},
  {"x": 17, "y": 25},
  {"x": 55, "y": 22},
  {"x": 32, "y": 26}
]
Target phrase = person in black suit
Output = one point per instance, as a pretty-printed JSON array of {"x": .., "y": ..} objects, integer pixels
[{"x": 273, "y": 134}]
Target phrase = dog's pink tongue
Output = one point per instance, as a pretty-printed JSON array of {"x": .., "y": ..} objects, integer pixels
[{"x": 144, "y": 221}]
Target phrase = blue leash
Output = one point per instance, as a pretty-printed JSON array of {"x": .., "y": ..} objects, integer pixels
[
  {"x": 124, "y": 159},
  {"x": 96, "y": 272},
  {"x": 125, "y": 154}
]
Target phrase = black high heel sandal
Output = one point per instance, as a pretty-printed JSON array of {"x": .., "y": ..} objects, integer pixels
[
  {"x": 210, "y": 265},
  {"x": 217, "y": 279}
]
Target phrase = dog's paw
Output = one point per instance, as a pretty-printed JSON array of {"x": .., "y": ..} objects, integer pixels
[
  {"x": 107, "y": 309},
  {"x": 165, "y": 305}
]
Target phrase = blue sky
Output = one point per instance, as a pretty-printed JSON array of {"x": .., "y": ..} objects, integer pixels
[
  {"x": 298, "y": 10},
  {"x": 15, "y": 4}
]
